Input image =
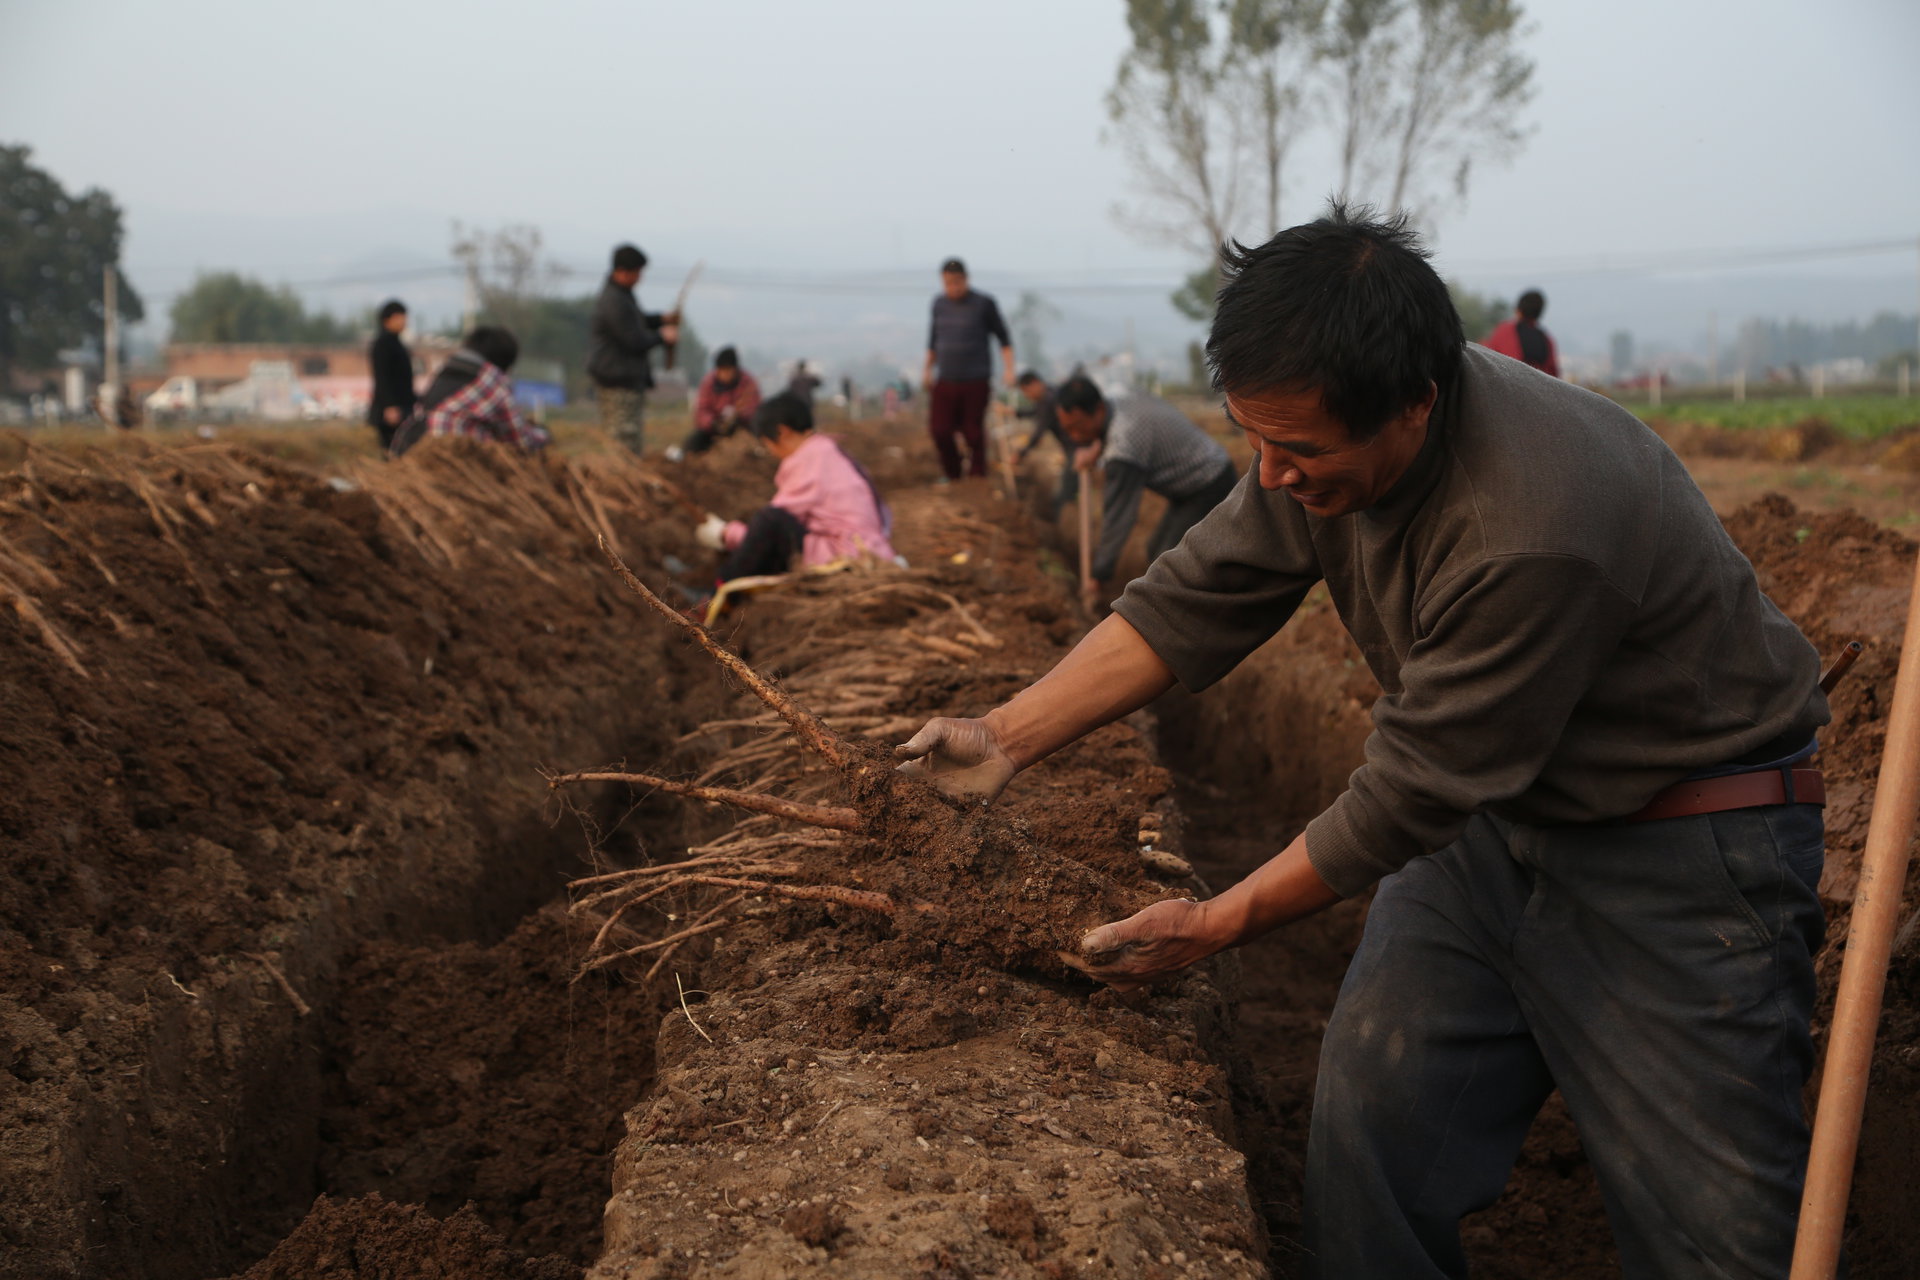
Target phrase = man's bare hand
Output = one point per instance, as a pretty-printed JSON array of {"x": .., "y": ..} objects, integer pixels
[
  {"x": 961, "y": 757},
  {"x": 1152, "y": 944},
  {"x": 669, "y": 333},
  {"x": 1085, "y": 457}
]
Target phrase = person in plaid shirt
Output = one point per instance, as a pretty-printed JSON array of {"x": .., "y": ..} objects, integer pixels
[{"x": 472, "y": 396}]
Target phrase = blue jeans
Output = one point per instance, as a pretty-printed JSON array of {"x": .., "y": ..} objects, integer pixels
[{"x": 1659, "y": 974}]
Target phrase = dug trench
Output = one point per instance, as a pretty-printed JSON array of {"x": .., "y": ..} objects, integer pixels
[{"x": 919, "y": 1090}]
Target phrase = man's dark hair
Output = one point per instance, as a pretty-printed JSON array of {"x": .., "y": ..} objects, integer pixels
[
  {"x": 628, "y": 258},
  {"x": 1532, "y": 303},
  {"x": 726, "y": 358},
  {"x": 390, "y": 308},
  {"x": 1078, "y": 394},
  {"x": 1347, "y": 304},
  {"x": 953, "y": 265},
  {"x": 1026, "y": 376},
  {"x": 497, "y": 346},
  {"x": 783, "y": 410}
]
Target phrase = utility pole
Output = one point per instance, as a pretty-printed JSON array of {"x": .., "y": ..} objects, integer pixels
[
  {"x": 1713, "y": 349},
  {"x": 110, "y": 350}
]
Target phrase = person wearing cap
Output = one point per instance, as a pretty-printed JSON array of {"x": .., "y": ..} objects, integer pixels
[
  {"x": 393, "y": 398},
  {"x": 959, "y": 369},
  {"x": 620, "y": 359},
  {"x": 727, "y": 397},
  {"x": 1585, "y": 812}
]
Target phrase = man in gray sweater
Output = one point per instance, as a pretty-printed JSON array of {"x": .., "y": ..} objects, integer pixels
[
  {"x": 1141, "y": 443},
  {"x": 1585, "y": 800}
]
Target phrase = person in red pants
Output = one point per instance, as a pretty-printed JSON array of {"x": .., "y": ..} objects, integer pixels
[{"x": 959, "y": 368}]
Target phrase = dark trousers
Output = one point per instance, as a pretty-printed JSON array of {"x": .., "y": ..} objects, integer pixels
[
  {"x": 699, "y": 440},
  {"x": 1189, "y": 511},
  {"x": 1068, "y": 490},
  {"x": 960, "y": 408},
  {"x": 1659, "y": 974},
  {"x": 774, "y": 537}
]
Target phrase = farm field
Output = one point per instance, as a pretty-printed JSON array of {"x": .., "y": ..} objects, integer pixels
[{"x": 294, "y": 973}]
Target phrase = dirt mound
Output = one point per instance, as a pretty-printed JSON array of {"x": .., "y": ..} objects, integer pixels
[
  {"x": 256, "y": 716},
  {"x": 374, "y": 1239}
]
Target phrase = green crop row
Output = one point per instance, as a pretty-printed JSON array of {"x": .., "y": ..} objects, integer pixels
[{"x": 1858, "y": 417}]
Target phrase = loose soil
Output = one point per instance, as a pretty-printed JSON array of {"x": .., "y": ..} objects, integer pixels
[{"x": 276, "y": 742}]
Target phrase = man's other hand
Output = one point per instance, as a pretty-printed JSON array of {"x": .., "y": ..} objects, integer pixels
[
  {"x": 669, "y": 333},
  {"x": 391, "y": 415},
  {"x": 961, "y": 757},
  {"x": 1152, "y": 944},
  {"x": 712, "y": 533},
  {"x": 1085, "y": 457}
]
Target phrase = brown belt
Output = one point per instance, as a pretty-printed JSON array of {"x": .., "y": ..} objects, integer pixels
[{"x": 1734, "y": 791}]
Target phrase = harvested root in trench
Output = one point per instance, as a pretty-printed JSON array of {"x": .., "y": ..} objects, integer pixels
[{"x": 921, "y": 870}]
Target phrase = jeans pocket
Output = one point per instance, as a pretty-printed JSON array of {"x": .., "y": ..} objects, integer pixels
[{"x": 1771, "y": 857}]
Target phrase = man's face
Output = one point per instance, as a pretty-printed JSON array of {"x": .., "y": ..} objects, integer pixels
[
  {"x": 1083, "y": 426},
  {"x": 726, "y": 377},
  {"x": 954, "y": 284},
  {"x": 1305, "y": 452},
  {"x": 396, "y": 323},
  {"x": 627, "y": 279},
  {"x": 1033, "y": 389}
]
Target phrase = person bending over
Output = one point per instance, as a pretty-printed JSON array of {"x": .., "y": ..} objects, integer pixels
[
  {"x": 472, "y": 396},
  {"x": 1141, "y": 442},
  {"x": 1585, "y": 800},
  {"x": 824, "y": 507},
  {"x": 1046, "y": 422}
]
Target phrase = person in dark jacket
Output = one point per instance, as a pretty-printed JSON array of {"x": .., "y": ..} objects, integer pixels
[
  {"x": 624, "y": 337},
  {"x": 393, "y": 399}
]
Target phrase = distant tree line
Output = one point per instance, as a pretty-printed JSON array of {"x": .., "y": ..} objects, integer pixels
[
  {"x": 225, "y": 306},
  {"x": 54, "y": 248},
  {"x": 1882, "y": 342}
]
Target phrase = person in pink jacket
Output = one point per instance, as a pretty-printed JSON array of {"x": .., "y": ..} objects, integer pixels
[{"x": 824, "y": 507}]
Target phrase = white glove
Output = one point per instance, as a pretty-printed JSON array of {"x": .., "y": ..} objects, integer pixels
[{"x": 712, "y": 533}]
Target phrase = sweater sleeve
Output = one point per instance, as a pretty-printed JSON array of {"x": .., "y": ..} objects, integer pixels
[
  {"x": 1232, "y": 582},
  {"x": 997, "y": 326},
  {"x": 1504, "y": 653},
  {"x": 1120, "y": 508}
]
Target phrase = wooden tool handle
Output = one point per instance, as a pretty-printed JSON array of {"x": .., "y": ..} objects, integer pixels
[{"x": 1863, "y": 975}]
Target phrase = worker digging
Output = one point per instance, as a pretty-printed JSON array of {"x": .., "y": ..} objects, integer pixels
[{"x": 1587, "y": 801}]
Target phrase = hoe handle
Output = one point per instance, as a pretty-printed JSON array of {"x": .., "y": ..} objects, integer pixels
[
  {"x": 1863, "y": 975},
  {"x": 1086, "y": 529}
]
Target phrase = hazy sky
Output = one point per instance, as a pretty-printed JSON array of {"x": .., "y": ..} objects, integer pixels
[{"x": 769, "y": 136}]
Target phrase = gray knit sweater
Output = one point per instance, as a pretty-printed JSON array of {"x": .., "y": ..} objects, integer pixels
[{"x": 1559, "y": 623}]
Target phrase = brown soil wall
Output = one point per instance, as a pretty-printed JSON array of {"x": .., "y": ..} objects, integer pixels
[{"x": 255, "y": 722}]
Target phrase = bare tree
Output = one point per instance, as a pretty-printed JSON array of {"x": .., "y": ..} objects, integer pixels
[
  {"x": 1361, "y": 47},
  {"x": 1273, "y": 48},
  {"x": 507, "y": 271},
  {"x": 1461, "y": 84},
  {"x": 1172, "y": 122}
]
